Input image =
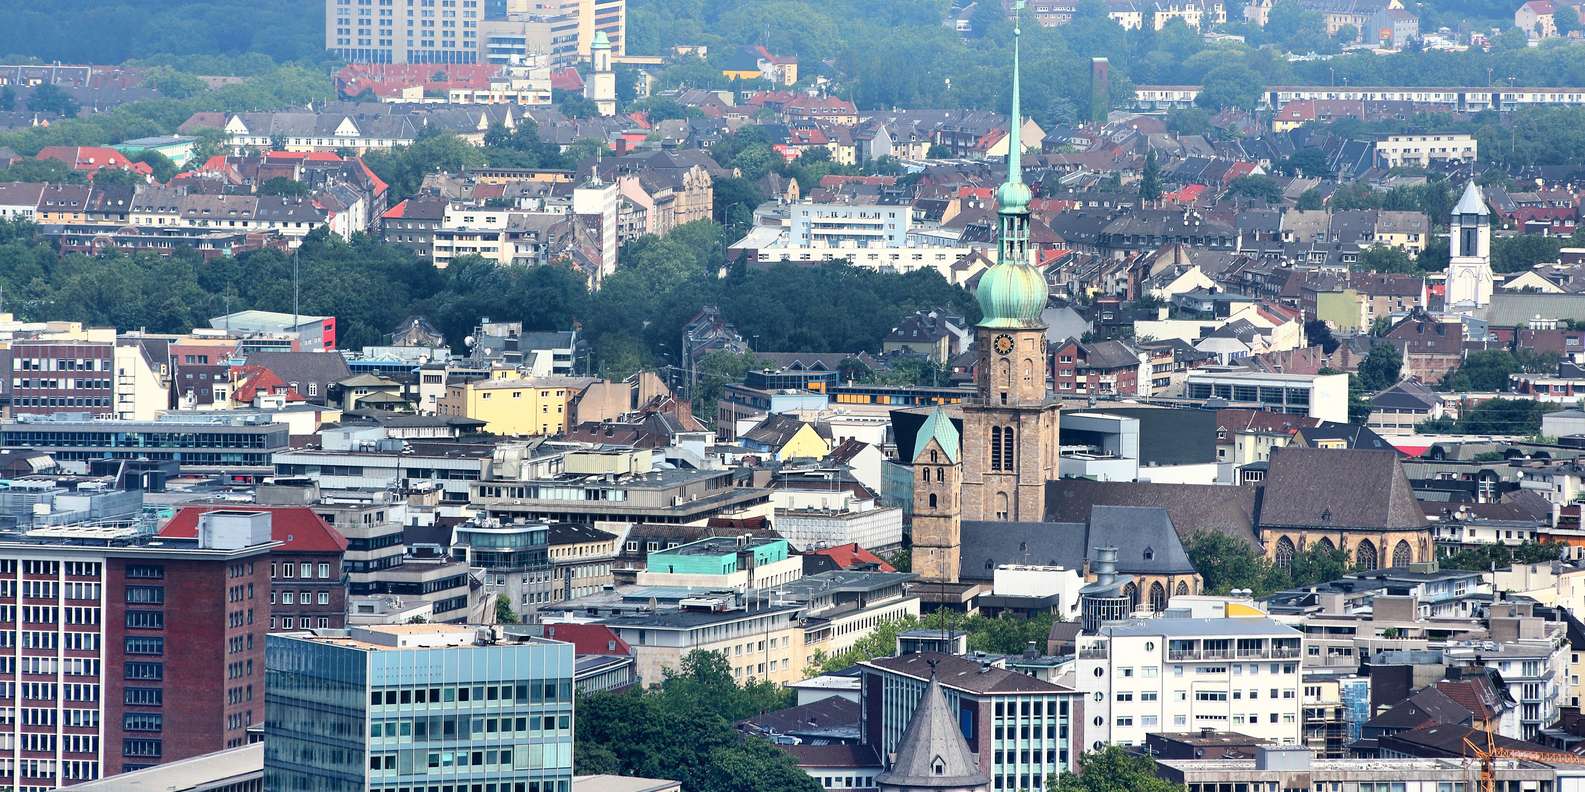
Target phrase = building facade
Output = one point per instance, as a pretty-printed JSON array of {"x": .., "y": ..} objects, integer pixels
[
  {"x": 129, "y": 652},
  {"x": 410, "y": 706},
  {"x": 1184, "y": 675}
]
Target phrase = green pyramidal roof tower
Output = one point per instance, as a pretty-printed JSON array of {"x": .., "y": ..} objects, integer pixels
[{"x": 1012, "y": 293}]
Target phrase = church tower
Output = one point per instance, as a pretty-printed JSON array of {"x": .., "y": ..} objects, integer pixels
[
  {"x": 938, "y": 481},
  {"x": 1469, "y": 280},
  {"x": 601, "y": 87},
  {"x": 1010, "y": 431}
]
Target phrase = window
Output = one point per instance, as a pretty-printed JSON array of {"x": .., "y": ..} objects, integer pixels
[
  {"x": 133, "y": 747},
  {"x": 145, "y": 595},
  {"x": 143, "y": 696},
  {"x": 148, "y": 620},
  {"x": 145, "y": 670},
  {"x": 145, "y": 645},
  {"x": 141, "y": 722},
  {"x": 324, "y": 571}
]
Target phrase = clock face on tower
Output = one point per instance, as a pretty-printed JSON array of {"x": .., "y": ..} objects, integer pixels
[{"x": 1002, "y": 344}]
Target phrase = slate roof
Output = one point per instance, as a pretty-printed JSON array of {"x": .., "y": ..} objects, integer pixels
[
  {"x": 1357, "y": 436},
  {"x": 324, "y": 368},
  {"x": 833, "y": 716},
  {"x": 932, "y": 753},
  {"x": 1406, "y": 395},
  {"x": 1146, "y": 542},
  {"x": 1192, "y": 508},
  {"x": 1472, "y": 201},
  {"x": 1339, "y": 488}
]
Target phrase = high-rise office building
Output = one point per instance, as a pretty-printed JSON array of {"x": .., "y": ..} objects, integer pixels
[
  {"x": 434, "y": 707},
  {"x": 123, "y": 651},
  {"x": 471, "y": 31}
]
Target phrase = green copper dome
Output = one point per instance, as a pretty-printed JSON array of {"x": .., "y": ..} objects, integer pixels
[
  {"x": 1011, "y": 295},
  {"x": 1013, "y": 196}
]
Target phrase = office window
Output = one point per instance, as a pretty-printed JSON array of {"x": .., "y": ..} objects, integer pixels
[
  {"x": 145, "y": 645},
  {"x": 152, "y": 671}
]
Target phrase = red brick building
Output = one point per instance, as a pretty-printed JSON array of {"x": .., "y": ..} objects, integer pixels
[
  {"x": 1098, "y": 368},
  {"x": 308, "y": 586},
  {"x": 130, "y": 652},
  {"x": 50, "y": 377}
]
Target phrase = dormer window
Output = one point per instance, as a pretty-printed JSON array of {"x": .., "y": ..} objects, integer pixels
[{"x": 938, "y": 767}]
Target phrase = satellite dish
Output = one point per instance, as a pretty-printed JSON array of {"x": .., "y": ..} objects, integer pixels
[{"x": 468, "y": 341}]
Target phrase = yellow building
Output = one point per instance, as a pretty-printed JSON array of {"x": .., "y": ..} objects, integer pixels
[{"x": 535, "y": 406}]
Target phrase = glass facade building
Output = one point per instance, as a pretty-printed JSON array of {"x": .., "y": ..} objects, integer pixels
[{"x": 417, "y": 708}]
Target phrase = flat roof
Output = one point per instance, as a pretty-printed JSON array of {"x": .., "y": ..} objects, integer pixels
[
  {"x": 1201, "y": 628},
  {"x": 202, "y": 772}
]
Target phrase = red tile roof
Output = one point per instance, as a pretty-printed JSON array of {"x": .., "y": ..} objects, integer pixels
[
  {"x": 589, "y": 639},
  {"x": 849, "y": 556},
  {"x": 297, "y": 527}
]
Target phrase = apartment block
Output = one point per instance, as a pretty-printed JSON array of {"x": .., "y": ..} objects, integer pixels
[{"x": 1179, "y": 675}]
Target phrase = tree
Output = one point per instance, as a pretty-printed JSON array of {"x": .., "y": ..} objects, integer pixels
[
  {"x": 503, "y": 610},
  {"x": 1309, "y": 200},
  {"x": 161, "y": 165},
  {"x": 107, "y": 177},
  {"x": 1485, "y": 370},
  {"x": 1150, "y": 179},
  {"x": 1226, "y": 562},
  {"x": 683, "y": 730},
  {"x": 1320, "y": 334},
  {"x": 281, "y": 185},
  {"x": 1346, "y": 34},
  {"x": 51, "y": 98},
  {"x": 1310, "y": 162},
  {"x": 1188, "y": 121},
  {"x": 1230, "y": 86},
  {"x": 713, "y": 373},
  {"x": 1257, "y": 187},
  {"x": 1384, "y": 258},
  {"x": 1504, "y": 417},
  {"x": 1379, "y": 370},
  {"x": 1523, "y": 252},
  {"x": 736, "y": 199},
  {"x": 1566, "y": 20},
  {"x": 8, "y": 99},
  {"x": 1113, "y": 769}
]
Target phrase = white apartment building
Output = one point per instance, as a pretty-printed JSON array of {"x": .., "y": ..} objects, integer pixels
[
  {"x": 1396, "y": 151},
  {"x": 849, "y": 225},
  {"x": 1323, "y": 396},
  {"x": 815, "y": 519},
  {"x": 1180, "y": 674}
]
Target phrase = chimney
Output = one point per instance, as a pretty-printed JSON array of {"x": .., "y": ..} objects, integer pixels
[{"x": 1106, "y": 564}]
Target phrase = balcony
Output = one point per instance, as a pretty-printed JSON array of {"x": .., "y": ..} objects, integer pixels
[{"x": 1094, "y": 652}]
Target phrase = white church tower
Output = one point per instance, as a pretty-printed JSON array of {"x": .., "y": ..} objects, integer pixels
[
  {"x": 601, "y": 85},
  {"x": 1469, "y": 280}
]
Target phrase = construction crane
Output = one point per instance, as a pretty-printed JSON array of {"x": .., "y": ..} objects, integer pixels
[{"x": 1489, "y": 753}]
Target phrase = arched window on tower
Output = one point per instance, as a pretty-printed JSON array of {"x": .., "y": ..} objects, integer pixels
[
  {"x": 940, "y": 475},
  {"x": 932, "y": 500},
  {"x": 996, "y": 448},
  {"x": 1001, "y": 506},
  {"x": 1029, "y": 371},
  {"x": 1007, "y": 448},
  {"x": 1004, "y": 374}
]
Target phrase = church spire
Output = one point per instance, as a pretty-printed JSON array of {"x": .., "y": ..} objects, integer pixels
[
  {"x": 1012, "y": 293},
  {"x": 1015, "y": 171}
]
